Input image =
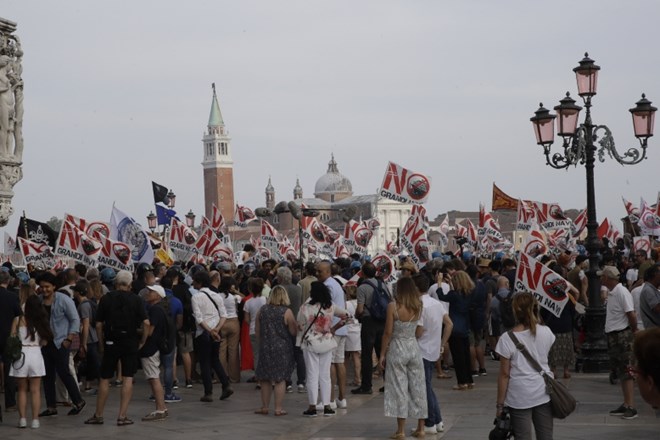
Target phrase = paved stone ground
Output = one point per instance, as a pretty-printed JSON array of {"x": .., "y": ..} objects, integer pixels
[{"x": 467, "y": 415}]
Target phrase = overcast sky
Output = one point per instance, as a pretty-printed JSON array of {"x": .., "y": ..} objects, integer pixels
[{"x": 118, "y": 94}]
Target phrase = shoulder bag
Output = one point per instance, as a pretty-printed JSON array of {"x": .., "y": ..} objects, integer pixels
[
  {"x": 562, "y": 401},
  {"x": 316, "y": 342}
]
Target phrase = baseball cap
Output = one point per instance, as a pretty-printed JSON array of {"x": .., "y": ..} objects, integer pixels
[
  {"x": 609, "y": 272},
  {"x": 158, "y": 289}
]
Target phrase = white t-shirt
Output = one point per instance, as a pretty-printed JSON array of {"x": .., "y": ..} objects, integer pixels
[
  {"x": 252, "y": 306},
  {"x": 636, "y": 294},
  {"x": 339, "y": 301},
  {"x": 231, "y": 301},
  {"x": 526, "y": 385},
  {"x": 354, "y": 326},
  {"x": 433, "y": 312},
  {"x": 619, "y": 302},
  {"x": 433, "y": 290}
]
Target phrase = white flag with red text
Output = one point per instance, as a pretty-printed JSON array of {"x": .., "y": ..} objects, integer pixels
[
  {"x": 414, "y": 237},
  {"x": 73, "y": 243},
  {"x": 40, "y": 255},
  {"x": 550, "y": 289},
  {"x": 403, "y": 185}
]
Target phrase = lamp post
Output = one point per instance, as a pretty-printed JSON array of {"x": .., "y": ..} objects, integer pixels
[
  {"x": 151, "y": 221},
  {"x": 171, "y": 199},
  {"x": 579, "y": 147},
  {"x": 190, "y": 219}
]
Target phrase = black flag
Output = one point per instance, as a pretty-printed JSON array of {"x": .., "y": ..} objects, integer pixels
[
  {"x": 36, "y": 231},
  {"x": 160, "y": 193}
]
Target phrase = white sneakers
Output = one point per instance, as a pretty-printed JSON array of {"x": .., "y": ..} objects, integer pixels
[
  {"x": 333, "y": 405},
  {"x": 22, "y": 423},
  {"x": 341, "y": 404},
  {"x": 440, "y": 427}
]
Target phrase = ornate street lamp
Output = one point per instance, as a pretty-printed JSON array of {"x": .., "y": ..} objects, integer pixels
[
  {"x": 151, "y": 221},
  {"x": 579, "y": 147},
  {"x": 190, "y": 219},
  {"x": 171, "y": 199}
]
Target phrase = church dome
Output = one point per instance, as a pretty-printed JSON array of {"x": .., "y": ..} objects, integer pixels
[{"x": 333, "y": 182}]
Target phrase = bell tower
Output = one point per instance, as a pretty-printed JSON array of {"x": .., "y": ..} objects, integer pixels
[{"x": 218, "y": 165}]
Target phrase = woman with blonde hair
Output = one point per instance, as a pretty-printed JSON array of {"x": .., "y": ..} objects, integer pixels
[
  {"x": 274, "y": 327},
  {"x": 519, "y": 386},
  {"x": 458, "y": 297},
  {"x": 405, "y": 393}
]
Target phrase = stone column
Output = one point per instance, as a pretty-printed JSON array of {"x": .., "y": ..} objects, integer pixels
[{"x": 11, "y": 116}]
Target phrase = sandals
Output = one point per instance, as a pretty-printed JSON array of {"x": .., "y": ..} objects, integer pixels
[
  {"x": 262, "y": 411},
  {"x": 398, "y": 436},
  {"x": 280, "y": 413},
  {"x": 418, "y": 433},
  {"x": 123, "y": 421},
  {"x": 94, "y": 420},
  {"x": 461, "y": 387},
  {"x": 444, "y": 376}
]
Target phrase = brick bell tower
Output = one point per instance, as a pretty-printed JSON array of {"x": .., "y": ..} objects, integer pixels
[{"x": 218, "y": 165}]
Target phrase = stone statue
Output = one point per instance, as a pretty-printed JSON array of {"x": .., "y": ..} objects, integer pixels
[{"x": 11, "y": 116}]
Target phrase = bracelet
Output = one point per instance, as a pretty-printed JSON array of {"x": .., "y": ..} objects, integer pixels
[{"x": 499, "y": 405}]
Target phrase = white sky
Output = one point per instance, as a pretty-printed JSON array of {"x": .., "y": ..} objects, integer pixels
[{"x": 117, "y": 94}]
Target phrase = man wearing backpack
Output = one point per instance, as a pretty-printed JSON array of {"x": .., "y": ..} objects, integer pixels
[
  {"x": 158, "y": 339},
  {"x": 373, "y": 324},
  {"x": 118, "y": 317}
]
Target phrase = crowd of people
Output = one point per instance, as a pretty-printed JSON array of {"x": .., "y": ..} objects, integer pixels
[{"x": 83, "y": 330}]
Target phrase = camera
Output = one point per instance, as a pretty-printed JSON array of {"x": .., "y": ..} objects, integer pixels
[{"x": 502, "y": 429}]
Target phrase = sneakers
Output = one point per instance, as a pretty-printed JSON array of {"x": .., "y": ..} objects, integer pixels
[
  {"x": 341, "y": 404},
  {"x": 310, "y": 413},
  {"x": 333, "y": 405},
  {"x": 155, "y": 416},
  {"x": 328, "y": 411},
  {"x": 629, "y": 414},
  {"x": 475, "y": 373},
  {"x": 482, "y": 372},
  {"x": 206, "y": 398},
  {"x": 22, "y": 422},
  {"x": 189, "y": 384},
  {"x": 289, "y": 389},
  {"x": 619, "y": 411},
  {"x": 301, "y": 388},
  {"x": 172, "y": 398},
  {"x": 77, "y": 408},
  {"x": 361, "y": 390},
  {"x": 35, "y": 424},
  {"x": 175, "y": 385},
  {"x": 429, "y": 429},
  {"x": 440, "y": 427},
  {"x": 48, "y": 412}
]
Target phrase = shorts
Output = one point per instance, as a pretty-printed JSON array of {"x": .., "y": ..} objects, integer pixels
[
  {"x": 619, "y": 347},
  {"x": 184, "y": 342},
  {"x": 338, "y": 352},
  {"x": 125, "y": 352},
  {"x": 476, "y": 336},
  {"x": 151, "y": 366}
]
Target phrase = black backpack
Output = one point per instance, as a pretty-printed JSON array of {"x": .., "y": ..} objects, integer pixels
[
  {"x": 380, "y": 299},
  {"x": 182, "y": 292},
  {"x": 118, "y": 322},
  {"x": 167, "y": 339},
  {"x": 506, "y": 311}
]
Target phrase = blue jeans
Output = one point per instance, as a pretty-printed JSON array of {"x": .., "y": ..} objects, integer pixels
[
  {"x": 434, "y": 416},
  {"x": 166, "y": 361}
]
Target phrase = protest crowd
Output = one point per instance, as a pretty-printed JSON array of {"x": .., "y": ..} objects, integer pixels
[{"x": 304, "y": 329}]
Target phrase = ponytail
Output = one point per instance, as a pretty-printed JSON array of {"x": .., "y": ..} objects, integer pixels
[{"x": 526, "y": 310}]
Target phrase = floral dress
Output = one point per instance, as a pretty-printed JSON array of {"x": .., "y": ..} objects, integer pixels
[
  {"x": 405, "y": 386},
  {"x": 276, "y": 362}
]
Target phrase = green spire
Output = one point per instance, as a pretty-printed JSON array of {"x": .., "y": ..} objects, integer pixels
[{"x": 215, "y": 118}]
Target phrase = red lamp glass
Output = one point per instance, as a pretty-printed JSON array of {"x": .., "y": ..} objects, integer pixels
[
  {"x": 643, "y": 118},
  {"x": 544, "y": 126}
]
